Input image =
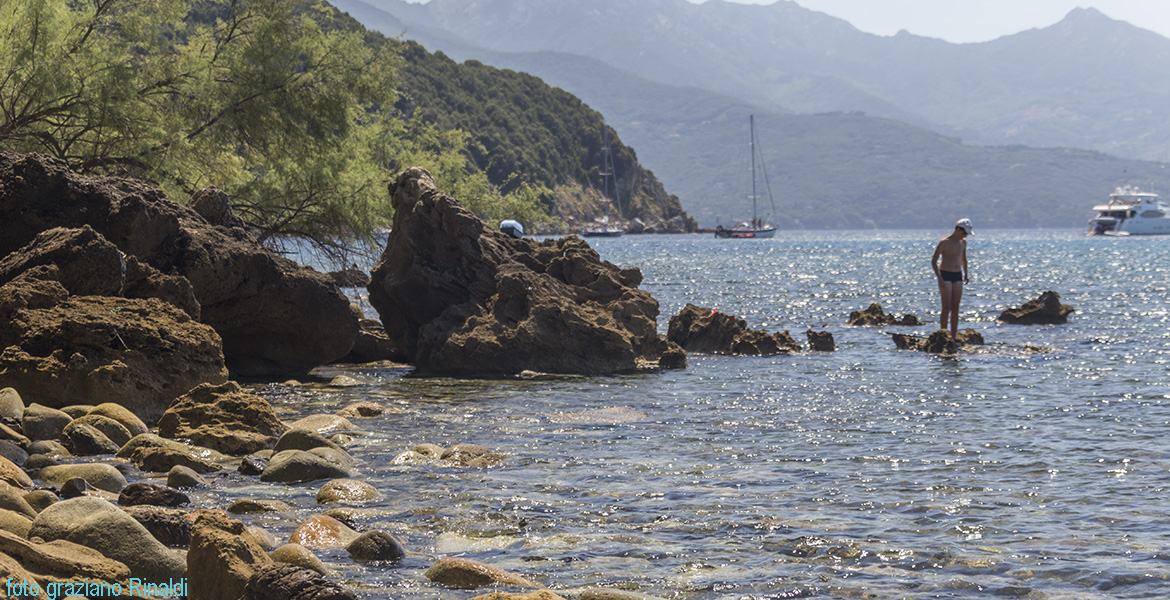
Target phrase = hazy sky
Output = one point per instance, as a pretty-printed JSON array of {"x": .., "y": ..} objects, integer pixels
[{"x": 978, "y": 20}]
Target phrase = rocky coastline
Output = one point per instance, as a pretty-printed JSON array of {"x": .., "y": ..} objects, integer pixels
[{"x": 127, "y": 320}]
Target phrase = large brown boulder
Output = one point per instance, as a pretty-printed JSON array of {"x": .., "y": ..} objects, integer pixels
[
  {"x": 224, "y": 418},
  {"x": 87, "y": 264},
  {"x": 1044, "y": 310},
  {"x": 458, "y": 297},
  {"x": 699, "y": 329},
  {"x": 63, "y": 350},
  {"x": 222, "y": 558},
  {"x": 274, "y": 317}
]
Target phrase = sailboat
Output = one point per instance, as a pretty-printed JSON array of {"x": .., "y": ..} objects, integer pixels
[
  {"x": 758, "y": 227},
  {"x": 603, "y": 228}
]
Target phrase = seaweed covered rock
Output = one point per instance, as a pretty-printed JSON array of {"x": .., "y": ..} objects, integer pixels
[
  {"x": 874, "y": 316},
  {"x": 273, "y": 316},
  {"x": 699, "y": 329},
  {"x": 1044, "y": 310},
  {"x": 458, "y": 297}
]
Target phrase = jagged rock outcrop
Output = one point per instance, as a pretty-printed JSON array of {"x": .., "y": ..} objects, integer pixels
[
  {"x": 1044, "y": 310},
  {"x": 224, "y": 418},
  {"x": 820, "y": 341},
  {"x": 458, "y": 297},
  {"x": 939, "y": 342},
  {"x": 699, "y": 329},
  {"x": 874, "y": 316},
  {"x": 65, "y": 350},
  {"x": 273, "y": 316}
]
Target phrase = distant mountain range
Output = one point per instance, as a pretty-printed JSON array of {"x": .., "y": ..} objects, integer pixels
[{"x": 677, "y": 81}]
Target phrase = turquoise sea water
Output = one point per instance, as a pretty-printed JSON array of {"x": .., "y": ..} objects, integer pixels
[{"x": 868, "y": 472}]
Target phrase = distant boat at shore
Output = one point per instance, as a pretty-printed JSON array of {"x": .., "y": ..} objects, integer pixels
[
  {"x": 602, "y": 226},
  {"x": 758, "y": 227}
]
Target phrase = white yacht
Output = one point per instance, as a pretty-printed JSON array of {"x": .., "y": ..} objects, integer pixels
[{"x": 1131, "y": 212}]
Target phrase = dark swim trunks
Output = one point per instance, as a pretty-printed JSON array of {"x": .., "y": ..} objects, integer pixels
[{"x": 951, "y": 276}]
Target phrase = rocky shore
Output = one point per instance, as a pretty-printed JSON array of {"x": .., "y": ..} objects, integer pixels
[{"x": 127, "y": 320}]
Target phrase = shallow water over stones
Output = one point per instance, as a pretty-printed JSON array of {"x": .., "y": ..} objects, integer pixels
[{"x": 868, "y": 472}]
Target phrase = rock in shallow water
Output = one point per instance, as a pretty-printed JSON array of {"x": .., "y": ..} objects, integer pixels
[
  {"x": 224, "y": 418},
  {"x": 698, "y": 329},
  {"x": 468, "y": 574},
  {"x": 297, "y": 466},
  {"x": 289, "y": 582},
  {"x": 376, "y": 546},
  {"x": 461, "y": 298},
  {"x": 1044, "y": 310}
]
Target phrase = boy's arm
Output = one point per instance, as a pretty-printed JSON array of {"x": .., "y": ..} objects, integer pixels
[
  {"x": 966, "y": 271},
  {"x": 934, "y": 259}
]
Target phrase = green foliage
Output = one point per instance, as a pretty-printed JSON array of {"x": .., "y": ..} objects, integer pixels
[{"x": 266, "y": 99}]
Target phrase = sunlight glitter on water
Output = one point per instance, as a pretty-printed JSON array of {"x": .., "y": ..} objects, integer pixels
[{"x": 866, "y": 472}]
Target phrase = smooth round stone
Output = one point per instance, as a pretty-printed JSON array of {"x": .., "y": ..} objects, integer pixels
[
  {"x": 296, "y": 466},
  {"x": 11, "y": 404},
  {"x": 376, "y": 546},
  {"x": 348, "y": 491},
  {"x": 184, "y": 477},
  {"x": 40, "y": 499},
  {"x": 14, "y": 475},
  {"x": 300, "y": 556},
  {"x": 43, "y": 423},
  {"x": 321, "y": 531},
  {"x": 122, "y": 415},
  {"x": 152, "y": 494},
  {"x": 77, "y": 410},
  {"x": 13, "y": 452},
  {"x": 99, "y": 475}
]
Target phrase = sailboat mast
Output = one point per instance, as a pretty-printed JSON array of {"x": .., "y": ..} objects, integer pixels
[
  {"x": 610, "y": 172},
  {"x": 752, "y": 148}
]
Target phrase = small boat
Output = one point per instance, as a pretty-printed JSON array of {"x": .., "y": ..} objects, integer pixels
[
  {"x": 602, "y": 226},
  {"x": 758, "y": 227},
  {"x": 512, "y": 228},
  {"x": 1130, "y": 211}
]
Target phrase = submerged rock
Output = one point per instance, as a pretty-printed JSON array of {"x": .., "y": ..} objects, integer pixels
[
  {"x": 458, "y": 297},
  {"x": 874, "y": 316},
  {"x": 1044, "y": 310},
  {"x": 698, "y": 329}
]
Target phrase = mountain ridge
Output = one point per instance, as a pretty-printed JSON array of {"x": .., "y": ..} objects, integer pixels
[{"x": 872, "y": 166}]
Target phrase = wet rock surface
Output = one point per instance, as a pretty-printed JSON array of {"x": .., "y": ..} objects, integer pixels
[
  {"x": 458, "y": 297},
  {"x": 698, "y": 329}
]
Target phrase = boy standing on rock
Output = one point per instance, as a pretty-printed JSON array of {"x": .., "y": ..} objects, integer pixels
[{"x": 952, "y": 273}]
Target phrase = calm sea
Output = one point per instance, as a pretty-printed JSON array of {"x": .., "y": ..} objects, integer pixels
[{"x": 867, "y": 472}]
